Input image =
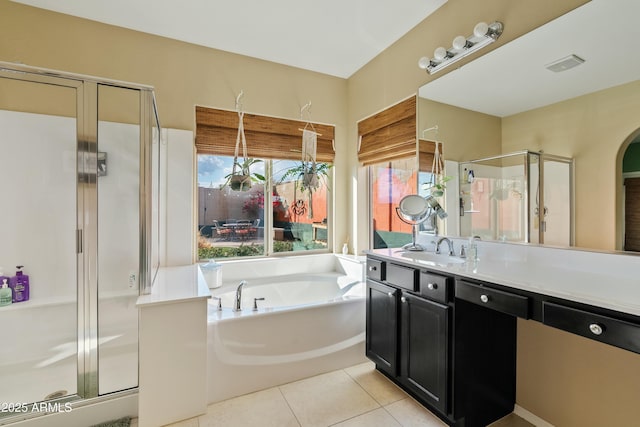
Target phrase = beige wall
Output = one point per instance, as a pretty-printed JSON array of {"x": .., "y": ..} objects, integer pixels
[
  {"x": 564, "y": 379},
  {"x": 466, "y": 134}
]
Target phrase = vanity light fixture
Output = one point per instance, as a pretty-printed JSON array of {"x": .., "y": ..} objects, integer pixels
[{"x": 483, "y": 34}]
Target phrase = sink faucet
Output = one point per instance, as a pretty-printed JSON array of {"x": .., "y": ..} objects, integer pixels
[
  {"x": 449, "y": 244},
  {"x": 237, "y": 306}
]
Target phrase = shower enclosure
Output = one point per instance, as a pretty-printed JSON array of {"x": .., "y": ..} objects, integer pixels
[
  {"x": 79, "y": 174},
  {"x": 523, "y": 197}
]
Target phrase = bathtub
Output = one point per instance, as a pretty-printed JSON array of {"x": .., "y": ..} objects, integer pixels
[{"x": 307, "y": 324}]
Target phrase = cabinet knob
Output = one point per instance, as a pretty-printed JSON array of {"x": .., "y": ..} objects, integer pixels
[
  {"x": 484, "y": 298},
  {"x": 372, "y": 268},
  {"x": 403, "y": 299},
  {"x": 390, "y": 294},
  {"x": 432, "y": 286},
  {"x": 596, "y": 329}
]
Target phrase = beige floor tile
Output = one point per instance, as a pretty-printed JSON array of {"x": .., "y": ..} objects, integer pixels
[
  {"x": 266, "y": 408},
  {"x": 192, "y": 422},
  {"x": 327, "y": 399},
  {"x": 512, "y": 420},
  {"x": 376, "y": 384},
  {"x": 377, "y": 418},
  {"x": 410, "y": 413}
]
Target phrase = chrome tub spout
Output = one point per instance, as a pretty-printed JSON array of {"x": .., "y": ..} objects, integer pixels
[{"x": 237, "y": 305}]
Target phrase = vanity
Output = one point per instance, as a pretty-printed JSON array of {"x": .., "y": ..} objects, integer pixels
[{"x": 444, "y": 329}]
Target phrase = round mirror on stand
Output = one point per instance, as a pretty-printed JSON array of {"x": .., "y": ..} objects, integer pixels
[{"x": 413, "y": 210}]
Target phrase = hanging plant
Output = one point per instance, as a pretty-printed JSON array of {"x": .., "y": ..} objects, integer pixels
[
  {"x": 436, "y": 184},
  {"x": 307, "y": 176},
  {"x": 241, "y": 178}
]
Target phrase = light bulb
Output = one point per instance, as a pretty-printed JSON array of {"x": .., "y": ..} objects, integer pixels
[
  {"x": 481, "y": 29},
  {"x": 440, "y": 53},
  {"x": 423, "y": 63},
  {"x": 459, "y": 43}
]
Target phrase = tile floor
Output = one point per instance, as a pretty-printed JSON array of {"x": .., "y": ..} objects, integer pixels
[{"x": 358, "y": 396}]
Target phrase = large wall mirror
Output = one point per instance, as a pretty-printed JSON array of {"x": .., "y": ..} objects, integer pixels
[{"x": 509, "y": 100}]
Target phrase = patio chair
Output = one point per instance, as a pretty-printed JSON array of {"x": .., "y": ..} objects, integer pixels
[
  {"x": 219, "y": 231},
  {"x": 253, "y": 229}
]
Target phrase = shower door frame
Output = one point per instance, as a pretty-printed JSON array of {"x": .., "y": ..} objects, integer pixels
[
  {"x": 87, "y": 211},
  {"x": 541, "y": 157}
]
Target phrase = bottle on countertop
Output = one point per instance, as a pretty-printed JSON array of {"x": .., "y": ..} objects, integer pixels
[
  {"x": 2, "y": 276},
  {"x": 6, "y": 296},
  {"x": 19, "y": 284}
]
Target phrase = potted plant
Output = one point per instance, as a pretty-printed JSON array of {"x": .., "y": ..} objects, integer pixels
[
  {"x": 436, "y": 185},
  {"x": 308, "y": 176},
  {"x": 241, "y": 178}
]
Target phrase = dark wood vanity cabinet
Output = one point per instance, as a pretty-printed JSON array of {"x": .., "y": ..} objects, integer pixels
[
  {"x": 456, "y": 358},
  {"x": 382, "y": 327},
  {"x": 424, "y": 348},
  {"x": 407, "y": 336}
]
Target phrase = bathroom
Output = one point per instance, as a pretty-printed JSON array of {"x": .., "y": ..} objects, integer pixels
[{"x": 177, "y": 71}]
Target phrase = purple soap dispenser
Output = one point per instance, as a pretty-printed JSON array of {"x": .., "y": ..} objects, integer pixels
[{"x": 20, "y": 285}]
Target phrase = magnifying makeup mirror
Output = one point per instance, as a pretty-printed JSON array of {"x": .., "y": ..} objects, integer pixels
[{"x": 413, "y": 210}]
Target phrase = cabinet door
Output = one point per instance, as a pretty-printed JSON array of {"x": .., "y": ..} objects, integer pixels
[
  {"x": 424, "y": 349},
  {"x": 382, "y": 326}
]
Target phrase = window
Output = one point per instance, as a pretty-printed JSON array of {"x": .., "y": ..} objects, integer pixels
[
  {"x": 389, "y": 183},
  {"x": 233, "y": 223},
  {"x": 285, "y": 209}
]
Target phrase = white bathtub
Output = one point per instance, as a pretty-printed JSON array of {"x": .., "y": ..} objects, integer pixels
[{"x": 308, "y": 324}]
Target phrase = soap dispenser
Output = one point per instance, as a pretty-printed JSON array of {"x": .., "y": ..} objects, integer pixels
[
  {"x": 19, "y": 284},
  {"x": 6, "y": 296},
  {"x": 2, "y": 276}
]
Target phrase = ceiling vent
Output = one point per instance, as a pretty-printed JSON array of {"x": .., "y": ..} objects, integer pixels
[{"x": 565, "y": 63}]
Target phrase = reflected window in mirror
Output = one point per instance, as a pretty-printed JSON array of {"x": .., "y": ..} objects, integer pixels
[{"x": 389, "y": 182}]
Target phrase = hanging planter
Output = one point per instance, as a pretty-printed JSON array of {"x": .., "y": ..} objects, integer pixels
[
  {"x": 436, "y": 184},
  {"x": 241, "y": 178}
]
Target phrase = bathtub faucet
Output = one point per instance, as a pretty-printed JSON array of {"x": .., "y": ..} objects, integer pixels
[{"x": 237, "y": 306}]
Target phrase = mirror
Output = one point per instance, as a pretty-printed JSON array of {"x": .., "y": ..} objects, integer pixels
[
  {"x": 413, "y": 210},
  {"x": 507, "y": 101}
]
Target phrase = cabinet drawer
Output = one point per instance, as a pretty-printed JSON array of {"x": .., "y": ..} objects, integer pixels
[
  {"x": 402, "y": 277},
  {"x": 505, "y": 302},
  {"x": 375, "y": 269},
  {"x": 595, "y": 326},
  {"x": 434, "y": 286}
]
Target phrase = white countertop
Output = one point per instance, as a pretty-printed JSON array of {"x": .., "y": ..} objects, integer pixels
[
  {"x": 604, "y": 280},
  {"x": 176, "y": 284}
]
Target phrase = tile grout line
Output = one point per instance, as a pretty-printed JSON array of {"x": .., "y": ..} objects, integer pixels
[
  {"x": 376, "y": 400},
  {"x": 289, "y": 406}
]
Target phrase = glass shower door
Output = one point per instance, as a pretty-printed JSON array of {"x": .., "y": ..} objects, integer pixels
[
  {"x": 557, "y": 210},
  {"x": 38, "y": 223},
  {"x": 118, "y": 187}
]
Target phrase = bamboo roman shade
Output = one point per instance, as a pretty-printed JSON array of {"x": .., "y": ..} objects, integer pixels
[
  {"x": 389, "y": 134},
  {"x": 267, "y": 137}
]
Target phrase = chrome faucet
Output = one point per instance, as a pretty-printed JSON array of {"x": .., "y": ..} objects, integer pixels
[
  {"x": 237, "y": 306},
  {"x": 449, "y": 244}
]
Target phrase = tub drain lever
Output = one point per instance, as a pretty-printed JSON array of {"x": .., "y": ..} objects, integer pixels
[
  {"x": 255, "y": 303},
  {"x": 219, "y": 302}
]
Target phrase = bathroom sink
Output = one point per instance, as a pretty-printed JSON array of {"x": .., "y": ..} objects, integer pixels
[{"x": 430, "y": 257}]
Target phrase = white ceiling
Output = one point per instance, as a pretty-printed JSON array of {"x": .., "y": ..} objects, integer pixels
[
  {"x": 513, "y": 78},
  {"x": 335, "y": 37}
]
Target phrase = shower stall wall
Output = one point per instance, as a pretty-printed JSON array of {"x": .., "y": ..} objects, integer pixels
[
  {"x": 524, "y": 196},
  {"x": 79, "y": 173}
]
